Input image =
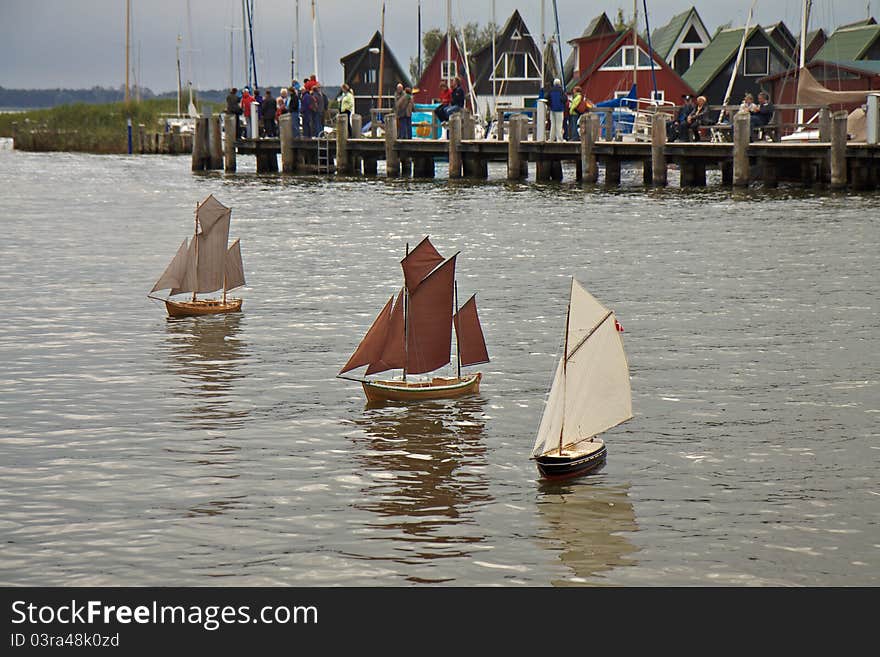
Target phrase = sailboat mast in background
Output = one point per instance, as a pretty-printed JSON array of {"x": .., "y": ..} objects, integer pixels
[
  {"x": 127, "y": 47},
  {"x": 382, "y": 55},
  {"x": 315, "y": 40}
]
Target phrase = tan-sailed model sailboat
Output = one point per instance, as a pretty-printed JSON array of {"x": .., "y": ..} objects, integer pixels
[
  {"x": 590, "y": 392},
  {"x": 204, "y": 265},
  {"x": 414, "y": 333}
]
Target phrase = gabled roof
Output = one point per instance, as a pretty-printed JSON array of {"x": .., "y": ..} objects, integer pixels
[
  {"x": 510, "y": 26},
  {"x": 440, "y": 54},
  {"x": 356, "y": 57},
  {"x": 862, "y": 23},
  {"x": 664, "y": 37},
  {"x": 780, "y": 33},
  {"x": 599, "y": 25},
  {"x": 864, "y": 67},
  {"x": 718, "y": 54},
  {"x": 849, "y": 42}
]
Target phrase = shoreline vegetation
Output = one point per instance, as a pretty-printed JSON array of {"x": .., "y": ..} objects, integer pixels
[{"x": 86, "y": 128}]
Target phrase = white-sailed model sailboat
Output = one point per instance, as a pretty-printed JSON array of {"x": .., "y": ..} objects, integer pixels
[
  {"x": 590, "y": 392},
  {"x": 204, "y": 265}
]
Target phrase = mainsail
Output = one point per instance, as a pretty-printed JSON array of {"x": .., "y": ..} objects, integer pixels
[
  {"x": 591, "y": 391},
  {"x": 429, "y": 334},
  {"x": 418, "y": 263}
]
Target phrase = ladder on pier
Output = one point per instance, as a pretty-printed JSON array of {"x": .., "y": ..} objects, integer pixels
[{"x": 324, "y": 162}]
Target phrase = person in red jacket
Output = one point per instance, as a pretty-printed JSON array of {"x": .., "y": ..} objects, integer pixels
[
  {"x": 246, "y": 100},
  {"x": 445, "y": 102}
]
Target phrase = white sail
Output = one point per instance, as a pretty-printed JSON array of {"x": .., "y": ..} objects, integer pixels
[
  {"x": 212, "y": 255},
  {"x": 591, "y": 392},
  {"x": 175, "y": 272},
  {"x": 188, "y": 280},
  {"x": 234, "y": 267}
]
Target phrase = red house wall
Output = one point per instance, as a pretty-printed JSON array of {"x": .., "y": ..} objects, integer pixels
[
  {"x": 600, "y": 85},
  {"x": 429, "y": 84}
]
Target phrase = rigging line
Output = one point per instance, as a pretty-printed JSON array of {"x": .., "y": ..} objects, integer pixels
[
  {"x": 650, "y": 49},
  {"x": 587, "y": 336}
]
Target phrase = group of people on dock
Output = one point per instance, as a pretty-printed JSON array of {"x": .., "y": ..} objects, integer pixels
[
  {"x": 306, "y": 103},
  {"x": 693, "y": 115}
]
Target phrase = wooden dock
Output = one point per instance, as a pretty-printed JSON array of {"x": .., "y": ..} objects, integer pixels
[{"x": 836, "y": 163}]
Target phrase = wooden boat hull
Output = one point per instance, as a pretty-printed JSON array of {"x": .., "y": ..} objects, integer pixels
[
  {"x": 437, "y": 388},
  {"x": 575, "y": 461},
  {"x": 201, "y": 307}
]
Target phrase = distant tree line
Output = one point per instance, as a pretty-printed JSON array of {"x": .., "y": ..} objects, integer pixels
[{"x": 41, "y": 98}]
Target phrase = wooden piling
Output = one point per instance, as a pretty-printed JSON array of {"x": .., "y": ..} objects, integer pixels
[
  {"x": 455, "y": 145},
  {"x": 658, "y": 150},
  {"x": 215, "y": 143},
  {"x": 742, "y": 133},
  {"x": 514, "y": 164},
  {"x": 175, "y": 140},
  {"x": 200, "y": 144},
  {"x": 229, "y": 147},
  {"x": 342, "y": 164},
  {"x": 468, "y": 125},
  {"x": 392, "y": 157},
  {"x": 612, "y": 171},
  {"x": 543, "y": 171},
  {"x": 524, "y": 130},
  {"x": 285, "y": 136},
  {"x": 838, "y": 150},
  {"x": 357, "y": 130},
  {"x": 825, "y": 125},
  {"x": 499, "y": 123},
  {"x": 770, "y": 173},
  {"x": 589, "y": 127}
]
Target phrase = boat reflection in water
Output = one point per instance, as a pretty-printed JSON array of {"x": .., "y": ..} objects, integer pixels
[
  {"x": 208, "y": 355},
  {"x": 588, "y": 524},
  {"x": 426, "y": 466}
]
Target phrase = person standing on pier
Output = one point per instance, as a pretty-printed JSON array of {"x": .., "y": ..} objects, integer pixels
[
  {"x": 557, "y": 110},
  {"x": 404, "y": 114},
  {"x": 346, "y": 104},
  {"x": 319, "y": 106},
  {"x": 293, "y": 108},
  {"x": 267, "y": 112},
  {"x": 233, "y": 106},
  {"x": 246, "y": 100},
  {"x": 307, "y": 108}
]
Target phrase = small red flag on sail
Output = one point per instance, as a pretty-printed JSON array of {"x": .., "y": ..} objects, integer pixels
[{"x": 618, "y": 326}]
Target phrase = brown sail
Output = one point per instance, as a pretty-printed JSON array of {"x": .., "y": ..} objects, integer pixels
[
  {"x": 429, "y": 334},
  {"x": 471, "y": 343},
  {"x": 393, "y": 354},
  {"x": 418, "y": 263},
  {"x": 370, "y": 348}
]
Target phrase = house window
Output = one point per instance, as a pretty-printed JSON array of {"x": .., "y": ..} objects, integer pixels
[
  {"x": 624, "y": 57},
  {"x": 692, "y": 37},
  {"x": 515, "y": 66},
  {"x": 658, "y": 95},
  {"x": 370, "y": 76},
  {"x": 448, "y": 69},
  {"x": 756, "y": 61}
]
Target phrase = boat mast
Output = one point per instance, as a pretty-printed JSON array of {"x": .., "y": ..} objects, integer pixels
[
  {"x": 196, "y": 240},
  {"x": 315, "y": 41},
  {"x": 179, "y": 83},
  {"x": 127, "y": 47},
  {"x": 457, "y": 336},
  {"x": 635, "y": 41},
  {"x": 381, "y": 82},
  {"x": 244, "y": 44},
  {"x": 448, "y": 40},
  {"x": 739, "y": 54},
  {"x": 564, "y": 366},
  {"x": 405, "y": 313},
  {"x": 805, "y": 18}
]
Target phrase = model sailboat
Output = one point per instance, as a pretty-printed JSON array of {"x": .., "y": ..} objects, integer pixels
[
  {"x": 414, "y": 333},
  {"x": 204, "y": 265},
  {"x": 590, "y": 392}
]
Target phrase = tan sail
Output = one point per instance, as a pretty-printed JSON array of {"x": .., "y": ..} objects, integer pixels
[
  {"x": 370, "y": 348},
  {"x": 175, "y": 273},
  {"x": 189, "y": 282},
  {"x": 418, "y": 263},
  {"x": 471, "y": 342},
  {"x": 234, "y": 267},
  {"x": 429, "y": 334},
  {"x": 811, "y": 93},
  {"x": 212, "y": 255},
  {"x": 209, "y": 212},
  {"x": 591, "y": 390}
]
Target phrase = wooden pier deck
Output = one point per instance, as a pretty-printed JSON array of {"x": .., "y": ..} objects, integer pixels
[{"x": 835, "y": 163}]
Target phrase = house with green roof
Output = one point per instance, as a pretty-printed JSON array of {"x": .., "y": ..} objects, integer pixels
[
  {"x": 859, "y": 42},
  {"x": 783, "y": 37},
  {"x": 710, "y": 73},
  {"x": 681, "y": 40}
]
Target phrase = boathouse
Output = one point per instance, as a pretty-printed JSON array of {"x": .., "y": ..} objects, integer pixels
[
  {"x": 605, "y": 69},
  {"x": 361, "y": 72},
  {"x": 710, "y": 74},
  {"x": 784, "y": 39},
  {"x": 815, "y": 40},
  {"x": 681, "y": 40},
  {"x": 597, "y": 27},
  {"x": 513, "y": 79},
  {"x": 855, "y": 42},
  {"x": 440, "y": 68}
]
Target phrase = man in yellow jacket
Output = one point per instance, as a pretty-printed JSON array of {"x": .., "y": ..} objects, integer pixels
[{"x": 346, "y": 104}]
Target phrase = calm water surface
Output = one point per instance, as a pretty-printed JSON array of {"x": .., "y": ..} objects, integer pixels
[{"x": 138, "y": 450}]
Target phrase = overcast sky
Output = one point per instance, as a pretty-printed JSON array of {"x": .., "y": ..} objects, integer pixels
[{"x": 80, "y": 44}]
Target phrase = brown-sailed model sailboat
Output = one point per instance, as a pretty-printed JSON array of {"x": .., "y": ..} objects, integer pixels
[
  {"x": 414, "y": 333},
  {"x": 204, "y": 265}
]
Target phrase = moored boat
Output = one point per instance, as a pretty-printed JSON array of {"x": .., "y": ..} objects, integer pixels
[
  {"x": 590, "y": 393},
  {"x": 414, "y": 333},
  {"x": 204, "y": 265}
]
